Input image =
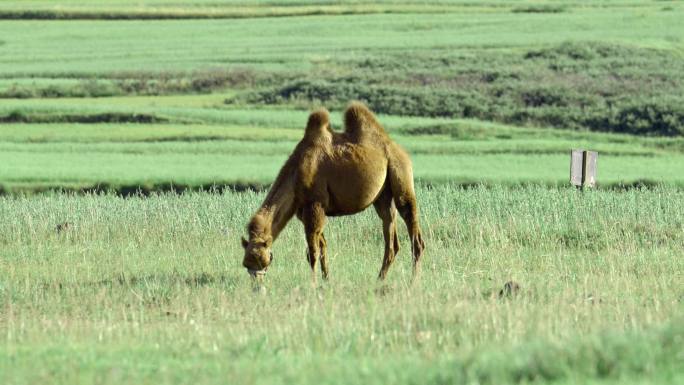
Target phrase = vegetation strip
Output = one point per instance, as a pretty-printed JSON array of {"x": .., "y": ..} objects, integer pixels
[
  {"x": 586, "y": 85},
  {"x": 148, "y": 189},
  {"x": 235, "y": 13},
  {"x": 109, "y": 117}
]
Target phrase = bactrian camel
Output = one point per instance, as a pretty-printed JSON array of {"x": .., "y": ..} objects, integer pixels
[{"x": 333, "y": 174}]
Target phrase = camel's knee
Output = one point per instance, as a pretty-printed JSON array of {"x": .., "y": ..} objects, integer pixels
[
  {"x": 418, "y": 243},
  {"x": 417, "y": 246},
  {"x": 313, "y": 249},
  {"x": 322, "y": 248},
  {"x": 409, "y": 213},
  {"x": 322, "y": 243},
  {"x": 396, "y": 241}
]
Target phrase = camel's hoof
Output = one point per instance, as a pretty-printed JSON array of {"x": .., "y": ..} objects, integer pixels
[
  {"x": 64, "y": 226},
  {"x": 510, "y": 289},
  {"x": 259, "y": 289},
  {"x": 382, "y": 290}
]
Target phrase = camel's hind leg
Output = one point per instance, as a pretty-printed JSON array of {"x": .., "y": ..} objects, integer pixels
[
  {"x": 385, "y": 208},
  {"x": 400, "y": 173},
  {"x": 313, "y": 217},
  {"x": 323, "y": 246}
]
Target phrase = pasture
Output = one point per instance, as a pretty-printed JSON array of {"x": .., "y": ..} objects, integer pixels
[
  {"x": 197, "y": 142},
  {"x": 153, "y": 127},
  {"x": 151, "y": 290}
]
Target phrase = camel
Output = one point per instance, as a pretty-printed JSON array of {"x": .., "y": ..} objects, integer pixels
[{"x": 334, "y": 174}]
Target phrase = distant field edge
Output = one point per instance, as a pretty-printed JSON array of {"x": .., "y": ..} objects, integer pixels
[
  {"x": 127, "y": 190},
  {"x": 147, "y": 189},
  {"x": 234, "y": 13}
]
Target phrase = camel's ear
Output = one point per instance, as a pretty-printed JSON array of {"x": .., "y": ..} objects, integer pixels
[{"x": 244, "y": 243}]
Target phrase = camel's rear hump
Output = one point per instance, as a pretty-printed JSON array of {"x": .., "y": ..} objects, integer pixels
[{"x": 360, "y": 122}]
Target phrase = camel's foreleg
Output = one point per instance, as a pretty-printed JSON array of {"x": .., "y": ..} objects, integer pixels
[
  {"x": 313, "y": 217},
  {"x": 386, "y": 210},
  {"x": 324, "y": 256}
]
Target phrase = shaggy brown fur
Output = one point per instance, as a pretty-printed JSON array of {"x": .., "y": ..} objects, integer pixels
[
  {"x": 318, "y": 130},
  {"x": 331, "y": 174}
]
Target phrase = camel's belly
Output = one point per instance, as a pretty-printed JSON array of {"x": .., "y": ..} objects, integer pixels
[{"x": 354, "y": 180}]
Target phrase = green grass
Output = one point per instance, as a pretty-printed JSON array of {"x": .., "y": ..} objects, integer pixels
[
  {"x": 246, "y": 147},
  {"x": 240, "y": 163},
  {"x": 290, "y": 43},
  {"x": 119, "y": 155},
  {"x": 230, "y": 9},
  {"x": 613, "y": 67},
  {"x": 151, "y": 289},
  {"x": 106, "y": 99}
]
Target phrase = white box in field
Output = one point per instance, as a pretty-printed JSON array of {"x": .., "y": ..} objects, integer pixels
[{"x": 583, "y": 168}]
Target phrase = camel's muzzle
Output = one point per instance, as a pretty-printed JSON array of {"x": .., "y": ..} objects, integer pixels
[{"x": 257, "y": 273}]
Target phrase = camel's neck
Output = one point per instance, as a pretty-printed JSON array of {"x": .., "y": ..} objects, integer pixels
[{"x": 276, "y": 211}]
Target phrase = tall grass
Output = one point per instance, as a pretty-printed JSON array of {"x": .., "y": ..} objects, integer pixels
[{"x": 152, "y": 289}]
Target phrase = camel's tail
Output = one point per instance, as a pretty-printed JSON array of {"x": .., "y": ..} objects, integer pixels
[{"x": 400, "y": 173}]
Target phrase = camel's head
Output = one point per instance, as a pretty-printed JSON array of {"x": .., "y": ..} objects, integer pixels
[{"x": 258, "y": 255}]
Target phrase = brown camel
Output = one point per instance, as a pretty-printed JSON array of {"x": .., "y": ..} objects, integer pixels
[{"x": 333, "y": 174}]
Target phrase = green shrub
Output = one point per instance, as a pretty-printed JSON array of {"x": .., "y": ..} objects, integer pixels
[
  {"x": 576, "y": 85},
  {"x": 162, "y": 83},
  {"x": 540, "y": 8},
  {"x": 538, "y": 105},
  {"x": 18, "y": 92},
  {"x": 661, "y": 117},
  {"x": 18, "y": 116}
]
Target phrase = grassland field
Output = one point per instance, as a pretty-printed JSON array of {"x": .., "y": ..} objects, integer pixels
[
  {"x": 152, "y": 127},
  {"x": 150, "y": 290},
  {"x": 196, "y": 141}
]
